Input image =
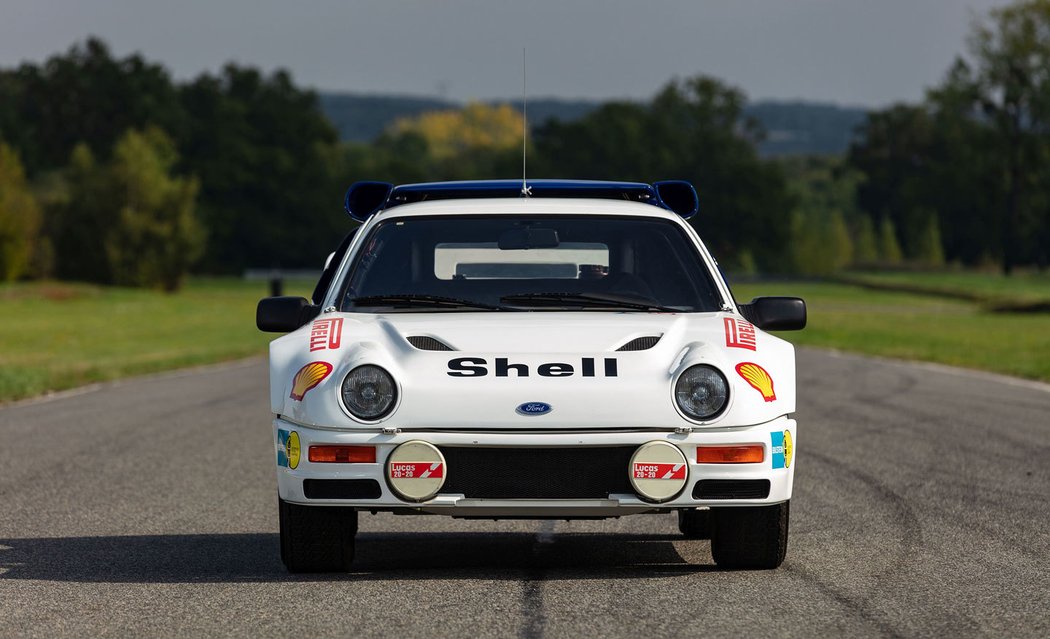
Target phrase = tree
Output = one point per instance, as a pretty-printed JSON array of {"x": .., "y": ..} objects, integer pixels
[
  {"x": 692, "y": 129},
  {"x": 19, "y": 217},
  {"x": 993, "y": 115},
  {"x": 79, "y": 218},
  {"x": 270, "y": 175},
  {"x": 895, "y": 153},
  {"x": 826, "y": 211},
  {"x": 477, "y": 141},
  {"x": 156, "y": 236},
  {"x": 83, "y": 96},
  {"x": 130, "y": 221},
  {"x": 865, "y": 248},
  {"x": 928, "y": 249},
  {"x": 1012, "y": 77},
  {"x": 889, "y": 247},
  {"x": 452, "y": 134},
  {"x": 820, "y": 242}
]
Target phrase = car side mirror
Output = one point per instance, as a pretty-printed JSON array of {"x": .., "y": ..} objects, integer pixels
[
  {"x": 776, "y": 313},
  {"x": 284, "y": 314}
]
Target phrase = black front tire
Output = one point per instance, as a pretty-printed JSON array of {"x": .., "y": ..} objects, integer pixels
[
  {"x": 317, "y": 538},
  {"x": 750, "y": 537},
  {"x": 695, "y": 524}
]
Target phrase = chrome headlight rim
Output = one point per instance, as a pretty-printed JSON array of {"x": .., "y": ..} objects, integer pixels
[
  {"x": 713, "y": 417},
  {"x": 395, "y": 401}
]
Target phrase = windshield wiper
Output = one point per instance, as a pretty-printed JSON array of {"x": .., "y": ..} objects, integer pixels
[
  {"x": 405, "y": 301},
  {"x": 585, "y": 300}
]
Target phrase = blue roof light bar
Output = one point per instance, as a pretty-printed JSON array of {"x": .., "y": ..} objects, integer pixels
[{"x": 365, "y": 198}]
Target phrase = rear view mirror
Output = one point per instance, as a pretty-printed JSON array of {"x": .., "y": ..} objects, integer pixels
[
  {"x": 284, "y": 314},
  {"x": 776, "y": 313},
  {"x": 527, "y": 238}
]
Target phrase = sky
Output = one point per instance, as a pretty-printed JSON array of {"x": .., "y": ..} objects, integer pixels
[{"x": 852, "y": 52}]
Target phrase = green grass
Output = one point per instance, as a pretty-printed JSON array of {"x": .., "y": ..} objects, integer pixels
[
  {"x": 55, "y": 336},
  {"x": 918, "y": 327},
  {"x": 982, "y": 287}
]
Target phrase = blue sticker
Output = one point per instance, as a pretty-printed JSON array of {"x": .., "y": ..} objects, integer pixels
[
  {"x": 282, "y": 448},
  {"x": 777, "y": 441}
]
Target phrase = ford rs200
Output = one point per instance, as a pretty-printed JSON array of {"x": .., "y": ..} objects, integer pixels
[{"x": 540, "y": 350}]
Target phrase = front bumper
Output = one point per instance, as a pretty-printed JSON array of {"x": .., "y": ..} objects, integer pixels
[{"x": 777, "y": 470}]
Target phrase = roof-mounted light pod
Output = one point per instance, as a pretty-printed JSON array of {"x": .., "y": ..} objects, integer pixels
[
  {"x": 678, "y": 196},
  {"x": 365, "y": 198}
]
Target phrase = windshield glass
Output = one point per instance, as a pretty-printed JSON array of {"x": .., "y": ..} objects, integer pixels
[{"x": 542, "y": 263}]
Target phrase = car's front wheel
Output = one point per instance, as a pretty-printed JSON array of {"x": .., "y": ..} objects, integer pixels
[
  {"x": 317, "y": 538},
  {"x": 750, "y": 536}
]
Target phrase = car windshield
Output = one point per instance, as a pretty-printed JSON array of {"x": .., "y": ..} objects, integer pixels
[{"x": 581, "y": 263}]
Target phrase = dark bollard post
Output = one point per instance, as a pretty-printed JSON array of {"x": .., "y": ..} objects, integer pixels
[{"x": 276, "y": 286}]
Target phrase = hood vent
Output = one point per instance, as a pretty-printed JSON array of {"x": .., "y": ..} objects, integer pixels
[
  {"x": 424, "y": 343},
  {"x": 641, "y": 343}
]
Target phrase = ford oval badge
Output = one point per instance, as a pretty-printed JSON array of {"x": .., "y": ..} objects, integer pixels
[{"x": 533, "y": 408}]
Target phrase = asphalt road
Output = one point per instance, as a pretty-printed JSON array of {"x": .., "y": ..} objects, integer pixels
[{"x": 921, "y": 508}]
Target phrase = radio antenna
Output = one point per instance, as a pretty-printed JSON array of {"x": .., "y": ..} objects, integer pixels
[{"x": 525, "y": 190}]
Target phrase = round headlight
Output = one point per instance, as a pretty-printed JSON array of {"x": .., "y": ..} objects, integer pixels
[
  {"x": 701, "y": 392},
  {"x": 369, "y": 392}
]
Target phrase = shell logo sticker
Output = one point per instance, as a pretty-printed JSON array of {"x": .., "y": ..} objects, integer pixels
[
  {"x": 288, "y": 449},
  {"x": 758, "y": 378},
  {"x": 308, "y": 377}
]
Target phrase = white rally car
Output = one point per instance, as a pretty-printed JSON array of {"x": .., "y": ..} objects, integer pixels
[{"x": 555, "y": 349}]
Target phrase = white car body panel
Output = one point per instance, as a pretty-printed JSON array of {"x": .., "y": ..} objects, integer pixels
[{"x": 632, "y": 407}]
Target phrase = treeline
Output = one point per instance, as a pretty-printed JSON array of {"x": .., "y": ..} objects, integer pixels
[
  {"x": 973, "y": 159},
  {"x": 112, "y": 172},
  {"x": 117, "y": 174}
]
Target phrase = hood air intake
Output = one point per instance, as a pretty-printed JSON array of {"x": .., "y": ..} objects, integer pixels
[
  {"x": 424, "y": 343},
  {"x": 640, "y": 343}
]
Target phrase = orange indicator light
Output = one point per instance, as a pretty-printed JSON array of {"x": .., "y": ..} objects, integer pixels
[
  {"x": 750, "y": 454},
  {"x": 342, "y": 455}
]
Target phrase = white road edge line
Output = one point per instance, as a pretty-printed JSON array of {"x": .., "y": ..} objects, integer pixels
[{"x": 53, "y": 396}]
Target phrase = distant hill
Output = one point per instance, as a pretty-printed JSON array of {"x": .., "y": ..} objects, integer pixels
[
  {"x": 360, "y": 118},
  {"x": 805, "y": 128},
  {"x": 793, "y": 128}
]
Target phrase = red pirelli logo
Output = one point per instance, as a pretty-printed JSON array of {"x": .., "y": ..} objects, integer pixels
[
  {"x": 740, "y": 334},
  {"x": 326, "y": 334},
  {"x": 417, "y": 470},
  {"x": 659, "y": 471}
]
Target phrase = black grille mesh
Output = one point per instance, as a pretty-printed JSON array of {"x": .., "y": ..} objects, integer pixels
[
  {"x": 640, "y": 343},
  {"x": 731, "y": 489},
  {"x": 428, "y": 343},
  {"x": 538, "y": 473}
]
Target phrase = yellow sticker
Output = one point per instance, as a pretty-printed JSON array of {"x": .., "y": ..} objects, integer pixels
[
  {"x": 788, "y": 449},
  {"x": 293, "y": 450}
]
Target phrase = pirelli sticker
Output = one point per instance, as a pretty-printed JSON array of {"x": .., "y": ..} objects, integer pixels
[
  {"x": 739, "y": 334},
  {"x": 326, "y": 334}
]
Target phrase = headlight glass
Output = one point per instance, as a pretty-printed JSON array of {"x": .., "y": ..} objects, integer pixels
[
  {"x": 701, "y": 392},
  {"x": 369, "y": 392}
]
